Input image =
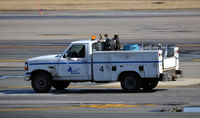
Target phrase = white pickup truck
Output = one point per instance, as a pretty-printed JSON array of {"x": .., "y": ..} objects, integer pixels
[{"x": 87, "y": 60}]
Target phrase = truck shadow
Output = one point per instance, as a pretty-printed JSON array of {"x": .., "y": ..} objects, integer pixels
[
  {"x": 77, "y": 91},
  {"x": 100, "y": 91}
]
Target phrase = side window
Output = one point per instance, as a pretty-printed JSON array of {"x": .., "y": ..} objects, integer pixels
[
  {"x": 76, "y": 51},
  {"x": 99, "y": 46}
]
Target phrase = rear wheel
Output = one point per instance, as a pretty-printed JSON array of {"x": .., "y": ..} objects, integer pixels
[
  {"x": 60, "y": 85},
  {"x": 130, "y": 82},
  {"x": 149, "y": 84},
  {"x": 41, "y": 82}
]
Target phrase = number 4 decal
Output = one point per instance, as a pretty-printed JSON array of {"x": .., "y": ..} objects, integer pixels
[{"x": 101, "y": 69}]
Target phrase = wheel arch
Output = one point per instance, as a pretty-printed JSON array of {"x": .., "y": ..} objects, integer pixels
[
  {"x": 120, "y": 77},
  {"x": 39, "y": 71}
]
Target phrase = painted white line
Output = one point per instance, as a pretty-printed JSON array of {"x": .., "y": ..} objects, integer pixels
[{"x": 10, "y": 77}]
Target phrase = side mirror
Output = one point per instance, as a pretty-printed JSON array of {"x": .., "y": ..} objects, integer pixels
[{"x": 64, "y": 56}]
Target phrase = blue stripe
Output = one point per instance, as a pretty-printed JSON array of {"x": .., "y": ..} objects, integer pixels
[
  {"x": 127, "y": 62},
  {"x": 59, "y": 63},
  {"x": 117, "y": 62}
]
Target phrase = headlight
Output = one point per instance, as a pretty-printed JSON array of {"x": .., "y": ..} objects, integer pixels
[{"x": 26, "y": 66}]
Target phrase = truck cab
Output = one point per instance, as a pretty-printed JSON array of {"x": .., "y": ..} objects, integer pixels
[{"x": 75, "y": 62}]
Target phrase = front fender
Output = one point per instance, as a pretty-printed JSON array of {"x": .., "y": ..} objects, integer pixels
[{"x": 50, "y": 68}]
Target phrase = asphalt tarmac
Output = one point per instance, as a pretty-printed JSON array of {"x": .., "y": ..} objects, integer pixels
[{"x": 27, "y": 34}]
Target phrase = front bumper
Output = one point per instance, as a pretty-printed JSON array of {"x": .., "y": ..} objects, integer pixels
[{"x": 27, "y": 76}]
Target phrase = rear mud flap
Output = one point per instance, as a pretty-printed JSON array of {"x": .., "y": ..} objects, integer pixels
[{"x": 164, "y": 77}]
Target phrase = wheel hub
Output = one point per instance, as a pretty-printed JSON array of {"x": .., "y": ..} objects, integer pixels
[
  {"x": 130, "y": 83},
  {"x": 41, "y": 82}
]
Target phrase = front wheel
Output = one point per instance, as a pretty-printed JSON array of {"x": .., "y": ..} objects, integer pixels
[
  {"x": 41, "y": 82},
  {"x": 130, "y": 82}
]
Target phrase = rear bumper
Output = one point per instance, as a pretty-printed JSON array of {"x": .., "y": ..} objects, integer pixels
[{"x": 171, "y": 75}]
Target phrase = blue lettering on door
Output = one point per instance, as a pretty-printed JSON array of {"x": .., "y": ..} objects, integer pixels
[{"x": 74, "y": 71}]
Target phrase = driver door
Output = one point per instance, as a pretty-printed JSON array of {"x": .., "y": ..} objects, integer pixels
[{"x": 73, "y": 65}]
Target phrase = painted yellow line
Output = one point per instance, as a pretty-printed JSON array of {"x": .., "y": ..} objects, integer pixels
[
  {"x": 81, "y": 106},
  {"x": 110, "y": 106},
  {"x": 63, "y": 35},
  {"x": 29, "y": 109},
  {"x": 12, "y": 60},
  {"x": 16, "y": 87},
  {"x": 149, "y": 104},
  {"x": 29, "y": 46},
  {"x": 196, "y": 60},
  {"x": 73, "y": 35}
]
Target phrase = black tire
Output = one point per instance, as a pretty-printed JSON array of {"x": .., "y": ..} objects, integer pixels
[
  {"x": 41, "y": 82},
  {"x": 149, "y": 84},
  {"x": 60, "y": 85},
  {"x": 130, "y": 82}
]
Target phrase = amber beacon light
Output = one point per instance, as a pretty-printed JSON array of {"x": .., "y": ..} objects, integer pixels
[{"x": 93, "y": 37}]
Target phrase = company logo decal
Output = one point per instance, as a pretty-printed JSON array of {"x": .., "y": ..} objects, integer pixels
[{"x": 74, "y": 71}]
